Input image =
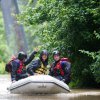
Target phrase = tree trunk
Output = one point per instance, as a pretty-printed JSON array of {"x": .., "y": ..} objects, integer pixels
[
  {"x": 21, "y": 39},
  {"x": 14, "y": 33}
]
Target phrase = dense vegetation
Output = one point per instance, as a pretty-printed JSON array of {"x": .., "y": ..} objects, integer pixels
[
  {"x": 3, "y": 46},
  {"x": 71, "y": 26}
]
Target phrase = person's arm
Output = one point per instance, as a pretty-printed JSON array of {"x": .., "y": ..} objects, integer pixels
[
  {"x": 51, "y": 70},
  {"x": 66, "y": 66},
  {"x": 30, "y": 58},
  {"x": 15, "y": 66},
  {"x": 33, "y": 66}
]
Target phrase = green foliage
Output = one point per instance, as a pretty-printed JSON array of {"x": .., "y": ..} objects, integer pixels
[
  {"x": 95, "y": 66},
  {"x": 4, "y": 51},
  {"x": 69, "y": 26},
  {"x": 2, "y": 68},
  {"x": 91, "y": 54}
]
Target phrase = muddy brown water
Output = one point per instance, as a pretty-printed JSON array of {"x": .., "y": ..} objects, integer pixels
[{"x": 75, "y": 94}]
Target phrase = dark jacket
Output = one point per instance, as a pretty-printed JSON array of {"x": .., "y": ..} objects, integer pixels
[
  {"x": 16, "y": 65},
  {"x": 66, "y": 67},
  {"x": 34, "y": 65}
]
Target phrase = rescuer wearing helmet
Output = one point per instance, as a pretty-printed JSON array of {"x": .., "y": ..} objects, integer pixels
[
  {"x": 39, "y": 66},
  {"x": 18, "y": 65},
  {"x": 60, "y": 68}
]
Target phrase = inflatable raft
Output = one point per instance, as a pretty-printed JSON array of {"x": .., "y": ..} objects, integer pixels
[{"x": 39, "y": 84}]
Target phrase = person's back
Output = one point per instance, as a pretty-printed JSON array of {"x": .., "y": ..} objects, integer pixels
[{"x": 17, "y": 69}]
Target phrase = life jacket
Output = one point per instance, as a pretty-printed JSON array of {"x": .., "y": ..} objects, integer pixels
[
  {"x": 41, "y": 70},
  {"x": 19, "y": 70},
  {"x": 58, "y": 69}
]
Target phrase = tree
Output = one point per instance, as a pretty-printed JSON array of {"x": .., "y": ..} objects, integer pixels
[
  {"x": 69, "y": 26},
  {"x": 14, "y": 31},
  {"x": 3, "y": 46}
]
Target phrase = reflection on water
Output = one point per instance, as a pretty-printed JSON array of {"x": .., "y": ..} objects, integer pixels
[{"x": 78, "y": 94}]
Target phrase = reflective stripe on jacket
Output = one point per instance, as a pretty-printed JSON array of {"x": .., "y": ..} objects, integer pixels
[{"x": 41, "y": 70}]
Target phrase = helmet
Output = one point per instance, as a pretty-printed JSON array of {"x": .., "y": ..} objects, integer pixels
[
  {"x": 43, "y": 52},
  {"x": 22, "y": 55},
  {"x": 56, "y": 53}
]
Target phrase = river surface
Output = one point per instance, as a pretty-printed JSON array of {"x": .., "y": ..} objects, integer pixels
[{"x": 75, "y": 94}]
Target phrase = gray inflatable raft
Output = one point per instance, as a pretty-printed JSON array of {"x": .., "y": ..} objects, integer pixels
[{"x": 41, "y": 84}]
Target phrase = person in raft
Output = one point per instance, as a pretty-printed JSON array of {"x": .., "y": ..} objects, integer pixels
[
  {"x": 60, "y": 68},
  {"x": 18, "y": 66},
  {"x": 39, "y": 66}
]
